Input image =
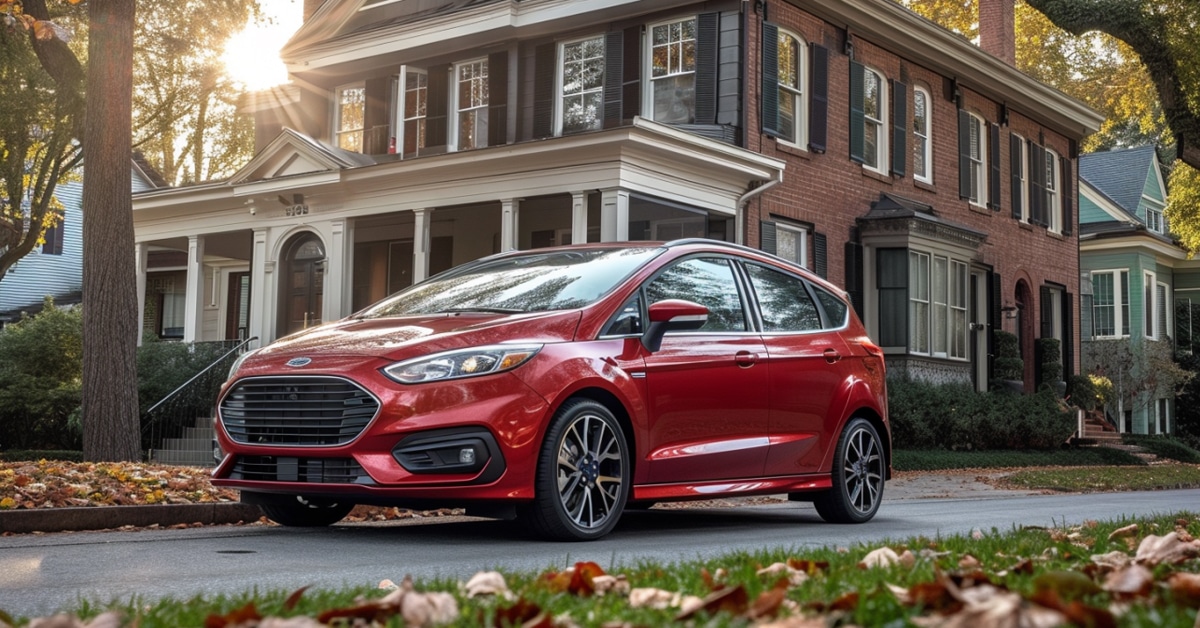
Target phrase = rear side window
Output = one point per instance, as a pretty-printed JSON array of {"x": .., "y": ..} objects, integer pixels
[
  {"x": 707, "y": 281},
  {"x": 835, "y": 308},
  {"x": 783, "y": 301}
]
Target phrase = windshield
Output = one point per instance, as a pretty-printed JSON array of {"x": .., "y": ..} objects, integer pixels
[{"x": 536, "y": 282}]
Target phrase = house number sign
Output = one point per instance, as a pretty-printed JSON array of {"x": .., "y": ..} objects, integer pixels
[{"x": 296, "y": 210}]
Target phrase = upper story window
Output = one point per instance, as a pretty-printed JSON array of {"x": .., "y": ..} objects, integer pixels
[
  {"x": 793, "y": 111},
  {"x": 1054, "y": 201},
  {"x": 1110, "y": 303},
  {"x": 470, "y": 105},
  {"x": 52, "y": 238},
  {"x": 922, "y": 147},
  {"x": 414, "y": 100},
  {"x": 977, "y": 168},
  {"x": 350, "y": 117},
  {"x": 868, "y": 116},
  {"x": 1154, "y": 219},
  {"x": 1019, "y": 164},
  {"x": 672, "y": 93},
  {"x": 581, "y": 77}
]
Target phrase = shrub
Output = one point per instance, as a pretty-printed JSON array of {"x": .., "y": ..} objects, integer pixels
[
  {"x": 41, "y": 369},
  {"x": 32, "y": 455},
  {"x": 1164, "y": 447},
  {"x": 956, "y": 417},
  {"x": 1049, "y": 349},
  {"x": 164, "y": 366},
  {"x": 1008, "y": 364},
  {"x": 1082, "y": 392}
]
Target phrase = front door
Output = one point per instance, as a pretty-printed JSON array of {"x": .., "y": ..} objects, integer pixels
[
  {"x": 237, "y": 316},
  {"x": 305, "y": 282}
]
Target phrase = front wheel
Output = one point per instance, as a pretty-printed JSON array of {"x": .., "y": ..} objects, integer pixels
[
  {"x": 583, "y": 474},
  {"x": 305, "y": 513},
  {"x": 858, "y": 475}
]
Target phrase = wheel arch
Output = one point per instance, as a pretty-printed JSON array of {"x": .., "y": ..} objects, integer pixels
[
  {"x": 876, "y": 421},
  {"x": 613, "y": 403}
]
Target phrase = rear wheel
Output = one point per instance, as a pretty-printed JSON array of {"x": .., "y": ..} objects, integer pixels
[
  {"x": 858, "y": 475},
  {"x": 583, "y": 474},
  {"x": 296, "y": 511}
]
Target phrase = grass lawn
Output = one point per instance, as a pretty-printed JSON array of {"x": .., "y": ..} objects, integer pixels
[{"x": 1123, "y": 572}]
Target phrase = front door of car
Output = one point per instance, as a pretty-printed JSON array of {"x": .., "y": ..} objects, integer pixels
[{"x": 707, "y": 394}]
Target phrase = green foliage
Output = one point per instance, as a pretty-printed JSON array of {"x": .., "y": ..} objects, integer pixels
[
  {"x": 940, "y": 459},
  {"x": 164, "y": 366},
  {"x": 1164, "y": 447},
  {"x": 41, "y": 379},
  {"x": 1008, "y": 365},
  {"x": 1050, "y": 351},
  {"x": 32, "y": 455},
  {"x": 955, "y": 416},
  {"x": 1157, "y": 477},
  {"x": 1082, "y": 392}
]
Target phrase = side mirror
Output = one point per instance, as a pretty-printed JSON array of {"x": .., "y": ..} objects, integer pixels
[{"x": 672, "y": 315}]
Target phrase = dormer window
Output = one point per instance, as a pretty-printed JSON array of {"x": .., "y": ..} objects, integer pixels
[
  {"x": 350, "y": 117},
  {"x": 471, "y": 105},
  {"x": 672, "y": 92}
]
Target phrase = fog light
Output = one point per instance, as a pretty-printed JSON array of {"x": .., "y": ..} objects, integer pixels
[{"x": 466, "y": 455}]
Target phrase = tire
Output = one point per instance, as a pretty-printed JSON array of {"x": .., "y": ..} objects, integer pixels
[
  {"x": 582, "y": 479},
  {"x": 859, "y": 467},
  {"x": 298, "y": 512}
]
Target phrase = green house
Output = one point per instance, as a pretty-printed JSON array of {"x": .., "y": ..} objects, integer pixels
[{"x": 1134, "y": 276}]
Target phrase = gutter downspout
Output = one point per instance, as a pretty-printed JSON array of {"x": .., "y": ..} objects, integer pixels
[{"x": 740, "y": 207}]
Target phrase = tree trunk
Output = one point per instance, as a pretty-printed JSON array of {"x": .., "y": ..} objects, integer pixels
[{"x": 111, "y": 428}]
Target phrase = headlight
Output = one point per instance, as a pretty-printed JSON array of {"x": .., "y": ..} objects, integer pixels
[
  {"x": 238, "y": 363},
  {"x": 461, "y": 363}
]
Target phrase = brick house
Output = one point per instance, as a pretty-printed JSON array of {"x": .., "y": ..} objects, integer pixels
[{"x": 932, "y": 179}]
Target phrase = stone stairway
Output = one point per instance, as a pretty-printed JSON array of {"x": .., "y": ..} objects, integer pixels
[
  {"x": 1098, "y": 432},
  {"x": 194, "y": 448}
]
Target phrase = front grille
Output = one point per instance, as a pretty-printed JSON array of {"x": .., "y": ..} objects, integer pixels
[
  {"x": 289, "y": 469},
  {"x": 296, "y": 411}
]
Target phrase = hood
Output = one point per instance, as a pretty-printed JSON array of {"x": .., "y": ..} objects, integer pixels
[{"x": 399, "y": 337}]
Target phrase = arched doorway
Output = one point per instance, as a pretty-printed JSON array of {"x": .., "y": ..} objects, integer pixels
[
  {"x": 303, "y": 283},
  {"x": 1024, "y": 330}
]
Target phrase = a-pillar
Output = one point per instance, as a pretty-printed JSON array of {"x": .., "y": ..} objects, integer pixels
[
  {"x": 579, "y": 216},
  {"x": 510, "y": 209},
  {"x": 614, "y": 215},
  {"x": 422, "y": 219},
  {"x": 141, "y": 256},
  {"x": 193, "y": 317}
]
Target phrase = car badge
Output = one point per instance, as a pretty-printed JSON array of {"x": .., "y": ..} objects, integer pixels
[{"x": 299, "y": 362}]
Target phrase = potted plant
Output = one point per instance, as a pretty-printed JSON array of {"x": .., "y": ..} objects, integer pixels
[{"x": 1008, "y": 367}]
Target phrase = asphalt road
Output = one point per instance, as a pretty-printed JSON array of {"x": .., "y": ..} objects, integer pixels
[{"x": 41, "y": 574}]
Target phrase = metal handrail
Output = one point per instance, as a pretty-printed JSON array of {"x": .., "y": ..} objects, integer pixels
[{"x": 195, "y": 377}]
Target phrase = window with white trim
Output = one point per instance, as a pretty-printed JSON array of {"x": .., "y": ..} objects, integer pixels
[
  {"x": 874, "y": 117},
  {"x": 937, "y": 305},
  {"x": 791, "y": 243},
  {"x": 918, "y": 302},
  {"x": 1054, "y": 215},
  {"x": 581, "y": 85},
  {"x": 1110, "y": 303},
  {"x": 922, "y": 147},
  {"x": 1162, "y": 300},
  {"x": 977, "y": 160},
  {"x": 1154, "y": 220},
  {"x": 414, "y": 98},
  {"x": 470, "y": 127},
  {"x": 793, "y": 106},
  {"x": 1162, "y": 413},
  {"x": 672, "y": 93},
  {"x": 1023, "y": 175},
  {"x": 1149, "y": 305},
  {"x": 350, "y": 117}
]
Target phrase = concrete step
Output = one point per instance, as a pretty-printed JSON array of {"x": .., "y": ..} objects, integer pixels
[
  {"x": 198, "y": 432},
  {"x": 187, "y": 444},
  {"x": 188, "y": 458}
]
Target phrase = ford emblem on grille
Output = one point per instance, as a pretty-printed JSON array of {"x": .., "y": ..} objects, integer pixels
[{"x": 299, "y": 362}]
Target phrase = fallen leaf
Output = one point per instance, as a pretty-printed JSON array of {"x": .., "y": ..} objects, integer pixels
[
  {"x": 517, "y": 614},
  {"x": 606, "y": 583},
  {"x": 244, "y": 614},
  {"x": 732, "y": 600},
  {"x": 968, "y": 562},
  {"x": 486, "y": 583},
  {"x": 294, "y": 599},
  {"x": 299, "y": 621},
  {"x": 1077, "y": 613},
  {"x": 794, "y": 576},
  {"x": 886, "y": 557},
  {"x": 1185, "y": 587},
  {"x": 1111, "y": 561},
  {"x": 808, "y": 566},
  {"x": 1169, "y": 549},
  {"x": 1127, "y": 531},
  {"x": 768, "y": 602},
  {"x": 1134, "y": 581},
  {"x": 988, "y": 607},
  {"x": 1069, "y": 585}
]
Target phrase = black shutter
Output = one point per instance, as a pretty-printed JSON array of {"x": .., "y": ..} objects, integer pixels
[
  {"x": 1047, "y": 322},
  {"x": 899, "y": 127},
  {"x": 614, "y": 63},
  {"x": 995, "y": 319},
  {"x": 994, "y": 168},
  {"x": 707, "y": 47},
  {"x": 818, "y": 102},
  {"x": 964, "y": 154},
  {"x": 854, "y": 275},
  {"x": 1015, "y": 166},
  {"x": 498, "y": 98},
  {"x": 1068, "y": 340},
  {"x": 1068, "y": 200},
  {"x": 1037, "y": 184},
  {"x": 769, "y": 92},
  {"x": 820, "y": 255},
  {"x": 766, "y": 236},
  {"x": 631, "y": 73},
  {"x": 857, "y": 114},
  {"x": 437, "y": 98},
  {"x": 544, "y": 57}
]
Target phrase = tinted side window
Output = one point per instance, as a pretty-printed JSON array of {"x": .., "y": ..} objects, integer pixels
[
  {"x": 835, "y": 307},
  {"x": 627, "y": 320},
  {"x": 783, "y": 300},
  {"x": 709, "y": 282}
]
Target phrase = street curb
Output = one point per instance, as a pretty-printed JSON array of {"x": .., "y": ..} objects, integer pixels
[{"x": 106, "y": 517}]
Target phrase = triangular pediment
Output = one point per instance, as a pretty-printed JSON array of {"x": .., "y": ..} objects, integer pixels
[{"x": 292, "y": 154}]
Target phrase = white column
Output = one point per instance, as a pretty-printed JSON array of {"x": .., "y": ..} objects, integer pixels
[
  {"x": 614, "y": 215},
  {"x": 422, "y": 218},
  {"x": 258, "y": 323},
  {"x": 140, "y": 261},
  {"x": 579, "y": 207},
  {"x": 510, "y": 209},
  {"x": 338, "y": 264},
  {"x": 193, "y": 317}
]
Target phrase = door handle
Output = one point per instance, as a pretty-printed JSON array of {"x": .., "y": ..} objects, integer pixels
[
  {"x": 831, "y": 356},
  {"x": 745, "y": 359}
]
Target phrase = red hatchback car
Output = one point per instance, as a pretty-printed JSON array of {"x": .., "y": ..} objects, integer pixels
[{"x": 566, "y": 385}]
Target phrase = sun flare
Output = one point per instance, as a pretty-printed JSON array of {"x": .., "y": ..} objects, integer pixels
[{"x": 252, "y": 56}]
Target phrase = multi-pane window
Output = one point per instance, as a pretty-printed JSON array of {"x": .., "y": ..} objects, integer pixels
[
  {"x": 414, "y": 99},
  {"x": 791, "y": 243},
  {"x": 1154, "y": 220},
  {"x": 582, "y": 81},
  {"x": 673, "y": 71},
  {"x": 922, "y": 148},
  {"x": 937, "y": 305},
  {"x": 918, "y": 302},
  {"x": 351, "y": 116},
  {"x": 874, "y": 105},
  {"x": 1149, "y": 306},
  {"x": 792, "y": 104},
  {"x": 958, "y": 309},
  {"x": 1053, "y": 192},
  {"x": 1110, "y": 303},
  {"x": 977, "y": 161},
  {"x": 471, "y": 104}
]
